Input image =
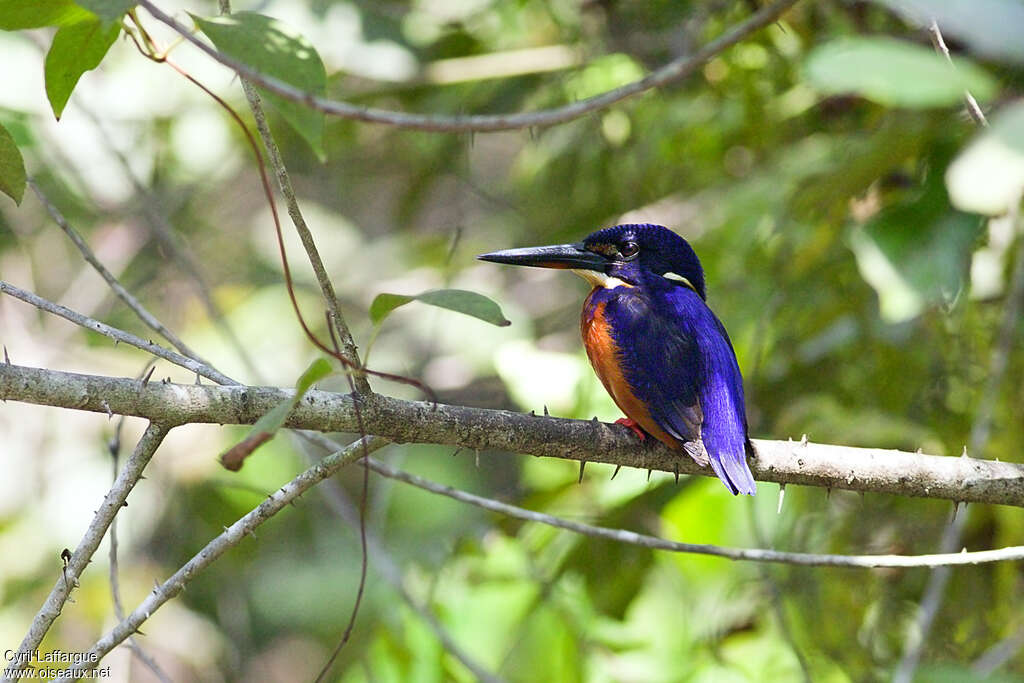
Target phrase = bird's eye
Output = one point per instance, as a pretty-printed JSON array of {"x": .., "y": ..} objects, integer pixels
[{"x": 629, "y": 249}]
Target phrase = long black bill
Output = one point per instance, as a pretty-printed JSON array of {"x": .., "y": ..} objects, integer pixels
[{"x": 554, "y": 256}]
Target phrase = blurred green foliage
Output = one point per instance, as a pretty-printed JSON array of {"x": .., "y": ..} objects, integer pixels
[{"x": 862, "y": 303}]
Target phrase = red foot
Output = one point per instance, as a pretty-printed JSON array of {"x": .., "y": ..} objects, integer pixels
[{"x": 633, "y": 427}]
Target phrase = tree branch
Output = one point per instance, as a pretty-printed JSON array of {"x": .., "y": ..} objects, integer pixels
[
  {"x": 842, "y": 467},
  {"x": 117, "y": 335},
  {"x": 231, "y": 537},
  {"x": 112, "y": 504},
  {"x": 675, "y": 70}
]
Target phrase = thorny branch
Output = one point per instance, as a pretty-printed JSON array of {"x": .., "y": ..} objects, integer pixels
[
  {"x": 965, "y": 479},
  {"x": 196, "y": 366},
  {"x": 110, "y": 506},
  {"x": 231, "y": 537},
  {"x": 674, "y": 70}
]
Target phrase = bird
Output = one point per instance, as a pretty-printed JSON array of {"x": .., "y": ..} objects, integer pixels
[{"x": 660, "y": 352}]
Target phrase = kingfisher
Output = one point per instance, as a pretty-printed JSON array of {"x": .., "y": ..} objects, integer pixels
[{"x": 657, "y": 348}]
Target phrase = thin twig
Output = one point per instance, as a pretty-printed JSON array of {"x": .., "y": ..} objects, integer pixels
[
  {"x": 389, "y": 570},
  {"x": 940, "y": 46},
  {"x": 198, "y": 367},
  {"x": 114, "y": 448},
  {"x": 231, "y": 537},
  {"x": 151, "y": 52},
  {"x": 672, "y": 71},
  {"x": 348, "y": 347},
  {"x": 1012, "y": 553},
  {"x": 996, "y": 656},
  {"x": 111, "y": 505},
  {"x": 127, "y": 297},
  {"x": 776, "y": 597},
  {"x": 160, "y": 227}
]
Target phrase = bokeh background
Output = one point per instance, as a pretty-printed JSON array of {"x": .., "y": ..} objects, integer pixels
[{"x": 863, "y": 306}]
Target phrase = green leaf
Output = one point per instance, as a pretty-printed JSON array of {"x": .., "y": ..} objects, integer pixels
[
  {"x": 108, "y": 10},
  {"x": 458, "y": 300},
  {"x": 316, "y": 371},
  {"x": 895, "y": 73},
  {"x": 990, "y": 27},
  {"x": 75, "y": 49},
  {"x": 267, "y": 426},
  {"x": 917, "y": 252},
  {"x": 16, "y": 15},
  {"x": 12, "y": 168},
  {"x": 274, "y": 49}
]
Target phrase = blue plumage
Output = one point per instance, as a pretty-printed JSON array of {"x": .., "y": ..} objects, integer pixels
[{"x": 659, "y": 350}]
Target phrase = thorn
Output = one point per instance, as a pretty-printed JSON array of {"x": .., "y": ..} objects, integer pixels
[
  {"x": 251, "y": 532},
  {"x": 456, "y": 451},
  {"x": 648, "y": 475},
  {"x": 782, "y": 495},
  {"x": 803, "y": 441},
  {"x": 7, "y": 359},
  {"x": 66, "y": 556},
  {"x": 617, "y": 468},
  {"x": 964, "y": 454},
  {"x": 828, "y": 493},
  {"x": 106, "y": 407},
  {"x": 583, "y": 464},
  {"x": 145, "y": 380},
  {"x": 546, "y": 413},
  {"x": 956, "y": 508},
  {"x": 139, "y": 631},
  {"x": 156, "y": 587},
  {"x": 533, "y": 413},
  {"x": 677, "y": 473},
  {"x": 199, "y": 380},
  {"x": 918, "y": 451}
]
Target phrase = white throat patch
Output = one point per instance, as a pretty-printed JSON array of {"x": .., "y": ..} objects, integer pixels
[{"x": 600, "y": 279}]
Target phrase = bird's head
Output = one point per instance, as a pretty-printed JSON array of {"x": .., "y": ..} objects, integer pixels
[{"x": 629, "y": 254}]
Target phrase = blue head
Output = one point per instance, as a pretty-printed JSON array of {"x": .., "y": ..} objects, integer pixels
[{"x": 636, "y": 253}]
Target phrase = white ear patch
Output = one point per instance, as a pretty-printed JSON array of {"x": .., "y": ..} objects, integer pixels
[
  {"x": 600, "y": 279},
  {"x": 679, "y": 278}
]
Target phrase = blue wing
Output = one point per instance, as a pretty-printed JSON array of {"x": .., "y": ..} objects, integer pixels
[{"x": 678, "y": 360}]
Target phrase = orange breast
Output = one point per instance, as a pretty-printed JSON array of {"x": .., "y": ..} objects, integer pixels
[{"x": 604, "y": 357}]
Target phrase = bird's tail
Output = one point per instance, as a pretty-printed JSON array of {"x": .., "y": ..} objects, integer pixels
[{"x": 730, "y": 464}]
